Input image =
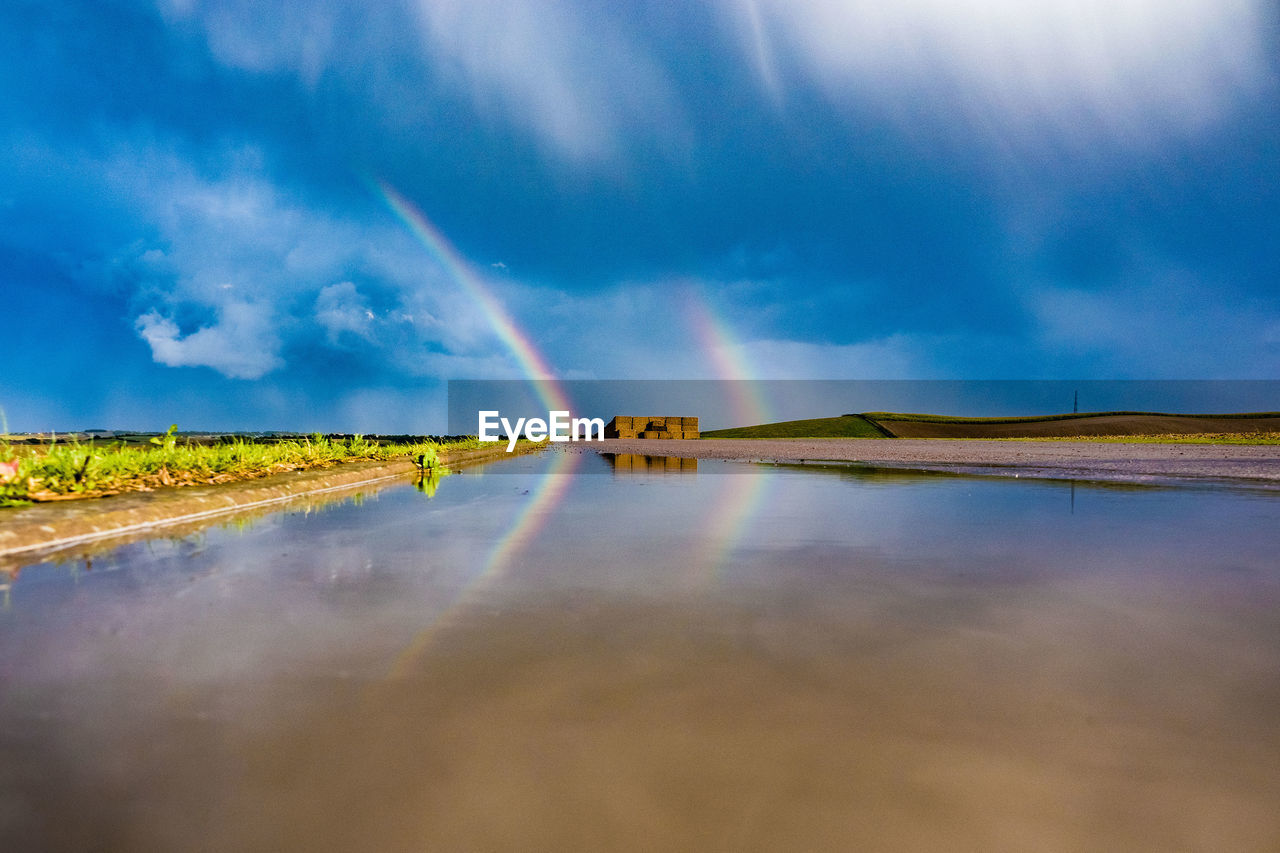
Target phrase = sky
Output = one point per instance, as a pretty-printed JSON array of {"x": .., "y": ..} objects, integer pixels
[{"x": 312, "y": 215}]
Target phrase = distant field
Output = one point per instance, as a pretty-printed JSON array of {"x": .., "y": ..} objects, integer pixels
[{"x": 1260, "y": 426}]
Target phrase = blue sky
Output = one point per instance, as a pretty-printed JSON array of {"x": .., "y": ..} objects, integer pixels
[{"x": 191, "y": 226}]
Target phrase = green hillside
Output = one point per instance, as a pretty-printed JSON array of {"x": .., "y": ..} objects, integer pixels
[
  {"x": 845, "y": 426},
  {"x": 1083, "y": 424}
]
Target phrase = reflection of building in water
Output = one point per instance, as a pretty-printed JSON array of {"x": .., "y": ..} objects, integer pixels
[
  {"x": 636, "y": 426},
  {"x": 635, "y": 463}
]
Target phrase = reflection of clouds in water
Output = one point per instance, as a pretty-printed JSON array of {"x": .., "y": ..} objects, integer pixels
[
  {"x": 896, "y": 642},
  {"x": 528, "y": 522},
  {"x": 342, "y": 566}
]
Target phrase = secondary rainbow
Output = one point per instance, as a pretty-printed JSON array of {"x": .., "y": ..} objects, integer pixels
[
  {"x": 729, "y": 360},
  {"x": 731, "y": 513}
]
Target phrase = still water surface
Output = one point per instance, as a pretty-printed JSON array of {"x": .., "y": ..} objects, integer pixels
[{"x": 661, "y": 658}]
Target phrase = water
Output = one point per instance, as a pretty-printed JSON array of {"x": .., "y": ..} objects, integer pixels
[{"x": 661, "y": 658}]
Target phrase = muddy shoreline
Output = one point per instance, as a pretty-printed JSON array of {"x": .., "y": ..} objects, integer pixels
[{"x": 1254, "y": 465}]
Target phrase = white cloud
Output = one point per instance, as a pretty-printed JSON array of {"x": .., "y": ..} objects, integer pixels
[
  {"x": 258, "y": 268},
  {"x": 340, "y": 308},
  {"x": 560, "y": 68},
  {"x": 565, "y": 72},
  {"x": 242, "y": 344},
  {"x": 1023, "y": 67},
  {"x": 265, "y": 36}
]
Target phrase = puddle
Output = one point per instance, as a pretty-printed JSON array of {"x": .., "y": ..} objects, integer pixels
[{"x": 664, "y": 658}]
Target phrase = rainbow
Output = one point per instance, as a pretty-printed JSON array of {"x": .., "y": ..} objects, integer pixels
[
  {"x": 524, "y": 529},
  {"x": 732, "y": 511},
  {"x": 729, "y": 359},
  {"x": 531, "y": 361},
  {"x": 736, "y": 506},
  {"x": 554, "y": 483},
  {"x": 530, "y": 521}
]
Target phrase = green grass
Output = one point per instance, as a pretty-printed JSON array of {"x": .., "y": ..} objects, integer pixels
[
  {"x": 845, "y": 426},
  {"x": 952, "y": 419},
  {"x": 72, "y": 470}
]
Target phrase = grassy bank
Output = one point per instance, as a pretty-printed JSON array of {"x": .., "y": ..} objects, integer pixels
[{"x": 93, "y": 469}]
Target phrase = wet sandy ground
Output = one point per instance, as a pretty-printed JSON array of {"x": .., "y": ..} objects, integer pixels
[{"x": 1052, "y": 459}]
